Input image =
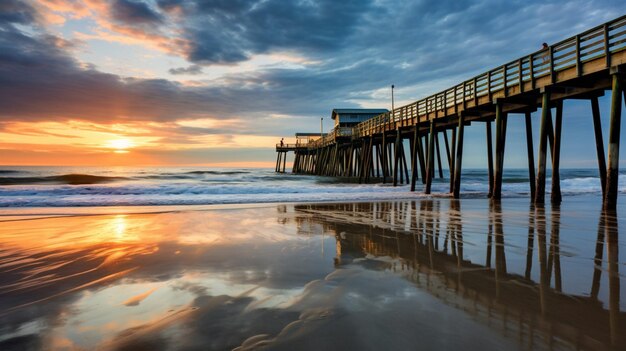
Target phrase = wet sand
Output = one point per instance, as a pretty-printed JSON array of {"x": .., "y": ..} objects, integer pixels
[{"x": 430, "y": 274}]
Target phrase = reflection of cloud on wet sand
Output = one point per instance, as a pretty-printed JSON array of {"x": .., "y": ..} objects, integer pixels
[
  {"x": 350, "y": 309},
  {"x": 59, "y": 273},
  {"x": 136, "y": 300},
  {"x": 354, "y": 307}
]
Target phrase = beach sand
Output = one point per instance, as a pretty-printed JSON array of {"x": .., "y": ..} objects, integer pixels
[{"x": 433, "y": 274}]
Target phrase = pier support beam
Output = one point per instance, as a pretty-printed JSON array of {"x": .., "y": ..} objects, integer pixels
[
  {"x": 414, "y": 157},
  {"x": 531, "y": 155},
  {"x": 459, "y": 158},
  {"x": 452, "y": 159},
  {"x": 284, "y": 161},
  {"x": 610, "y": 199},
  {"x": 490, "y": 177},
  {"x": 421, "y": 158},
  {"x": 597, "y": 128},
  {"x": 540, "y": 193},
  {"x": 404, "y": 165},
  {"x": 384, "y": 161},
  {"x": 369, "y": 159},
  {"x": 438, "y": 156},
  {"x": 500, "y": 141},
  {"x": 555, "y": 197},
  {"x": 396, "y": 157},
  {"x": 431, "y": 158}
]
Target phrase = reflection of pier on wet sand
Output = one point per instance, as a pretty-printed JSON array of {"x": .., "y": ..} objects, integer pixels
[{"x": 426, "y": 243}]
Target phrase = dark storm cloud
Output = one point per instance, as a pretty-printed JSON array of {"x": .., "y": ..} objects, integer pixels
[
  {"x": 134, "y": 12},
  {"x": 16, "y": 12},
  {"x": 230, "y": 31}
]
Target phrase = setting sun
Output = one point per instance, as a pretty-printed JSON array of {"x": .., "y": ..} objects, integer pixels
[{"x": 120, "y": 145}]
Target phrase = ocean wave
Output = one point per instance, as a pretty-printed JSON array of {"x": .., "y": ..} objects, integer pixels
[
  {"x": 9, "y": 171},
  {"x": 158, "y": 186},
  {"x": 218, "y": 172},
  {"x": 71, "y": 179}
]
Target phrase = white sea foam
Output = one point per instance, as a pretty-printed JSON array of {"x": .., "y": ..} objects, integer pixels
[{"x": 144, "y": 187}]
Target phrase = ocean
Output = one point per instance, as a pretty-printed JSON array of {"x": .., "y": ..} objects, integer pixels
[{"x": 163, "y": 186}]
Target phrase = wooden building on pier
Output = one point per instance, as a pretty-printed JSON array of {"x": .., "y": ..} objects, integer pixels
[{"x": 350, "y": 117}]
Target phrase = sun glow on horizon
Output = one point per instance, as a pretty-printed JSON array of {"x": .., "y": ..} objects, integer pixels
[{"x": 121, "y": 146}]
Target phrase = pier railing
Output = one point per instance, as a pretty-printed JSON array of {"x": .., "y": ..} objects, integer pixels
[
  {"x": 511, "y": 78},
  {"x": 331, "y": 137}
]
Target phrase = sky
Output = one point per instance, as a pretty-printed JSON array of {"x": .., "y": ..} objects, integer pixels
[{"x": 219, "y": 82}]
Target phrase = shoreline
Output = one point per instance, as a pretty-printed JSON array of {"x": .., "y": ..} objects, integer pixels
[{"x": 17, "y": 213}]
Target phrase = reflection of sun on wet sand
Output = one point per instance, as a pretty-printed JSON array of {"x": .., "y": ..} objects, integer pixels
[{"x": 381, "y": 275}]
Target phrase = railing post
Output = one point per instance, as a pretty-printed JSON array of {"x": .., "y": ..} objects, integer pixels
[
  {"x": 520, "y": 75},
  {"x": 463, "y": 95},
  {"x": 504, "y": 80},
  {"x": 607, "y": 48},
  {"x": 578, "y": 65},
  {"x": 531, "y": 68},
  {"x": 475, "y": 92},
  {"x": 489, "y": 85},
  {"x": 552, "y": 74}
]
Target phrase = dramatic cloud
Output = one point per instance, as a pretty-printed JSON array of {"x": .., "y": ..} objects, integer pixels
[
  {"x": 133, "y": 12},
  {"x": 274, "y": 66},
  {"x": 231, "y": 31},
  {"x": 15, "y": 12}
]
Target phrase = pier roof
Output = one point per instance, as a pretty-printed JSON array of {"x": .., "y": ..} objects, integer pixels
[{"x": 338, "y": 111}]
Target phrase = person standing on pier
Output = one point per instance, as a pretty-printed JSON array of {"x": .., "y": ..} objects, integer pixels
[{"x": 282, "y": 142}]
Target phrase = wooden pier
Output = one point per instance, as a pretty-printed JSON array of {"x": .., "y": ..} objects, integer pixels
[{"x": 581, "y": 67}]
